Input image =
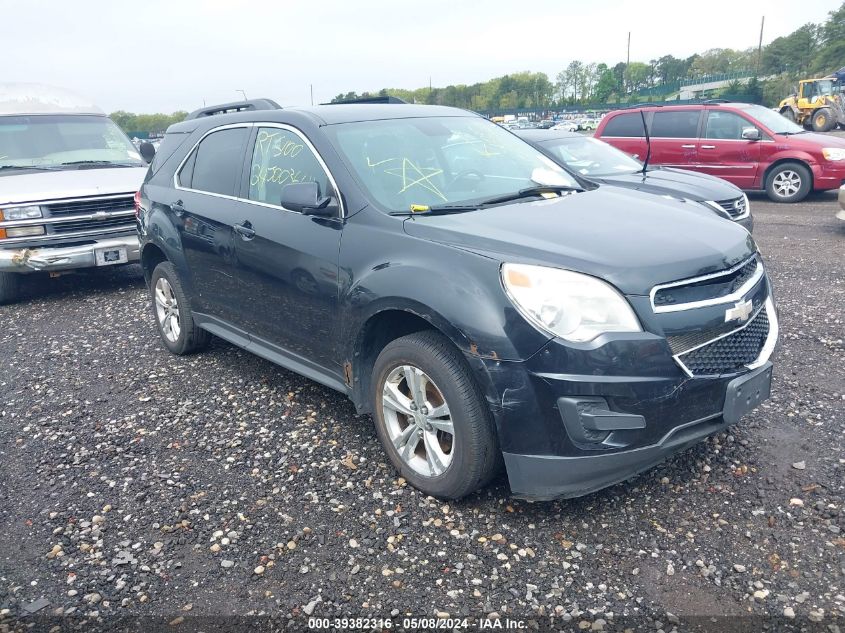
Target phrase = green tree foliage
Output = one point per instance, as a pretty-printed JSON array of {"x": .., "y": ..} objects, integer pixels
[
  {"x": 792, "y": 53},
  {"x": 146, "y": 123},
  {"x": 831, "y": 36}
]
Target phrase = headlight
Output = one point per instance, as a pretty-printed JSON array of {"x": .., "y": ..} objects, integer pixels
[
  {"x": 570, "y": 305},
  {"x": 833, "y": 153},
  {"x": 20, "y": 213}
]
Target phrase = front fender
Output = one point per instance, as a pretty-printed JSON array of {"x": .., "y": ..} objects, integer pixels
[{"x": 458, "y": 292}]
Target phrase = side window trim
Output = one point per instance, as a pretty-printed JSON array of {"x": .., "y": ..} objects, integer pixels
[
  {"x": 179, "y": 187},
  {"x": 248, "y": 162}
]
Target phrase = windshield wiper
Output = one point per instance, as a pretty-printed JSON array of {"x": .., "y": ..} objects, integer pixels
[
  {"x": 529, "y": 192},
  {"x": 41, "y": 167},
  {"x": 106, "y": 163}
]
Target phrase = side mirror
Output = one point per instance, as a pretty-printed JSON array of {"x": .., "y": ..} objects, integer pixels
[
  {"x": 148, "y": 151},
  {"x": 751, "y": 134},
  {"x": 305, "y": 198}
]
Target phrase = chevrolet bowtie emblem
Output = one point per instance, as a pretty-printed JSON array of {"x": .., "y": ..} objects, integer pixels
[{"x": 740, "y": 312}]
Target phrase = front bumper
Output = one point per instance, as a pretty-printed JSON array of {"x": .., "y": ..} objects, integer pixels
[
  {"x": 575, "y": 418},
  {"x": 544, "y": 477},
  {"x": 54, "y": 258},
  {"x": 747, "y": 223}
]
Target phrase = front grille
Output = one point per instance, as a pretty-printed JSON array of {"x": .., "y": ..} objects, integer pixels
[
  {"x": 731, "y": 353},
  {"x": 90, "y": 207},
  {"x": 705, "y": 289},
  {"x": 735, "y": 207}
]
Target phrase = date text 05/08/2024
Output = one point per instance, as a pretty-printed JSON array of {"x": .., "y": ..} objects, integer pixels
[{"x": 417, "y": 624}]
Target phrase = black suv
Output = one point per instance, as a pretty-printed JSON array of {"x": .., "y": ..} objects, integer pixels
[{"x": 479, "y": 300}]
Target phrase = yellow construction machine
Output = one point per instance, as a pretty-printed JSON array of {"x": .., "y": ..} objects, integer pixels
[{"x": 819, "y": 104}]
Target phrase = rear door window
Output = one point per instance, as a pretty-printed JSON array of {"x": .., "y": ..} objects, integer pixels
[
  {"x": 628, "y": 124},
  {"x": 675, "y": 124},
  {"x": 217, "y": 162}
]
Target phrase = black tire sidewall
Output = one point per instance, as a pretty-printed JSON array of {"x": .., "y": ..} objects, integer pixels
[
  {"x": 806, "y": 182},
  {"x": 465, "y": 412},
  {"x": 166, "y": 270},
  {"x": 9, "y": 287}
]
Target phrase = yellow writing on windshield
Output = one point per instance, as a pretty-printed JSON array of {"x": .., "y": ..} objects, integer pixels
[{"x": 415, "y": 176}]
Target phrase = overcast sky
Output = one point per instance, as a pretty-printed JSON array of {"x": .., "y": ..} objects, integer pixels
[{"x": 166, "y": 55}]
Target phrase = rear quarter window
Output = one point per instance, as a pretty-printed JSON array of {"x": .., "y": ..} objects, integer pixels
[{"x": 628, "y": 124}]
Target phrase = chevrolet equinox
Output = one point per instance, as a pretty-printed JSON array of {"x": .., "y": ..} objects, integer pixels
[{"x": 484, "y": 304}]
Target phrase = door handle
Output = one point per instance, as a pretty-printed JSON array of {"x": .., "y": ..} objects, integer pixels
[
  {"x": 688, "y": 146},
  {"x": 177, "y": 208},
  {"x": 245, "y": 230},
  {"x": 708, "y": 147}
]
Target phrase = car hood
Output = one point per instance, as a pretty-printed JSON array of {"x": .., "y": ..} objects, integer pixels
[
  {"x": 37, "y": 186},
  {"x": 817, "y": 140},
  {"x": 675, "y": 182},
  {"x": 631, "y": 239}
]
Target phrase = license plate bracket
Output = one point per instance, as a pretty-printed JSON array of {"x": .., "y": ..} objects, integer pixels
[
  {"x": 111, "y": 256},
  {"x": 745, "y": 393}
]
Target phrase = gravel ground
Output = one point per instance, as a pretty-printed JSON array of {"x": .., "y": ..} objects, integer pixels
[{"x": 191, "y": 490}]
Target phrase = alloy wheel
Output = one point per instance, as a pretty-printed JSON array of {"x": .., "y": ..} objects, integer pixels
[
  {"x": 786, "y": 183},
  {"x": 418, "y": 420},
  {"x": 167, "y": 310}
]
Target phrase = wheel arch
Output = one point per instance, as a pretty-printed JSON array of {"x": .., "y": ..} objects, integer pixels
[
  {"x": 788, "y": 159},
  {"x": 386, "y": 324},
  {"x": 151, "y": 256}
]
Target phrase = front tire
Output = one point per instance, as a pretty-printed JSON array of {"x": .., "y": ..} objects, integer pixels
[
  {"x": 823, "y": 120},
  {"x": 172, "y": 312},
  {"x": 789, "y": 182},
  {"x": 10, "y": 287},
  {"x": 432, "y": 418}
]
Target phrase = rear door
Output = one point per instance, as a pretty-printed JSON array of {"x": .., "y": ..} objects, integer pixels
[
  {"x": 724, "y": 153},
  {"x": 674, "y": 138},
  {"x": 205, "y": 208}
]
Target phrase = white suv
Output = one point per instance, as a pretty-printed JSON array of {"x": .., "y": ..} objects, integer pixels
[{"x": 68, "y": 176}]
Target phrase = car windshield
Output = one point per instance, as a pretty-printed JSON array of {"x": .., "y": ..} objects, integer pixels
[
  {"x": 441, "y": 161},
  {"x": 591, "y": 157},
  {"x": 64, "y": 141},
  {"x": 775, "y": 121}
]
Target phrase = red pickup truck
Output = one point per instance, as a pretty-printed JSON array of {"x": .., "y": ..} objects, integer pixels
[{"x": 748, "y": 145}]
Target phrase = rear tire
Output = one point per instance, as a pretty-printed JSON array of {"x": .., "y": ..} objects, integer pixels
[
  {"x": 9, "y": 287},
  {"x": 823, "y": 120},
  {"x": 441, "y": 441},
  {"x": 789, "y": 114},
  {"x": 172, "y": 312},
  {"x": 789, "y": 182}
]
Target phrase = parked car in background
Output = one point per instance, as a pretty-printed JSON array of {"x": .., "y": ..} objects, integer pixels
[
  {"x": 569, "y": 126},
  {"x": 545, "y": 124},
  {"x": 603, "y": 163},
  {"x": 747, "y": 145},
  {"x": 480, "y": 301},
  {"x": 588, "y": 124},
  {"x": 68, "y": 175}
]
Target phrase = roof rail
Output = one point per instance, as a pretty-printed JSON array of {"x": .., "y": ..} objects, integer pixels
[
  {"x": 377, "y": 99},
  {"x": 715, "y": 101},
  {"x": 645, "y": 105},
  {"x": 235, "y": 106}
]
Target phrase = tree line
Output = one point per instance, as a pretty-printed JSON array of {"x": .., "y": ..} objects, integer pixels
[{"x": 810, "y": 49}]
